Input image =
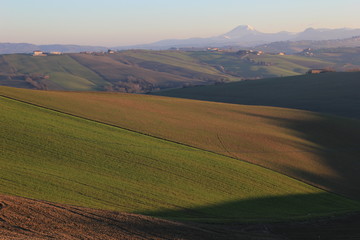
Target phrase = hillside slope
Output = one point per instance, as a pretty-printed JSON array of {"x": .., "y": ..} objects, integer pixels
[
  {"x": 57, "y": 157},
  {"x": 139, "y": 71},
  {"x": 58, "y": 221},
  {"x": 51, "y": 72},
  {"x": 300, "y": 144},
  {"x": 252, "y": 66},
  {"x": 331, "y": 93},
  {"x": 131, "y": 71}
]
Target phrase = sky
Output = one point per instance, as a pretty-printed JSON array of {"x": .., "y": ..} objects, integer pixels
[{"x": 129, "y": 22}]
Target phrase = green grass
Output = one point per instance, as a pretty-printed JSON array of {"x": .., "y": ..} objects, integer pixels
[
  {"x": 144, "y": 71},
  {"x": 280, "y": 65},
  {"x": 64, "y": 72},
  {"x": 301, "y": 144},
  {"x": 57, "y": 157},
  {"x": 179, "y": 59},
  {"x": 72, "y": 82}
]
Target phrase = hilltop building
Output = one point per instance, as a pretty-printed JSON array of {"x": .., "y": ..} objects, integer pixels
[
  {"x": 38, "y": 53},
  {"x": 214, "y": 49},
  {"x": 246, "y": 52},
  {"x": 317, "y": 71},
  {"x": 56, "y": 53}
]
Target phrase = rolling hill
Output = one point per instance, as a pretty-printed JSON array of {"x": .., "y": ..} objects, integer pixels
[
  {"x": 300, "y": 144},
  {"x": 345, "y": 58},
  {"x": 131, "y": 71},
  {"x": 61, "y": 158},
  {"x": 252, "y": 66},
  {"x": 140, "y": 71},
  {"x": 330, "y": 93}
]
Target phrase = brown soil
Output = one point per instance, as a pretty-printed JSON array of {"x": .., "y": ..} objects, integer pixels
[{"x": 22, "y": 218}]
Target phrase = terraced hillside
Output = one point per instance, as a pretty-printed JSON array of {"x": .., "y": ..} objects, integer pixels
[
  {"x": 61, "y": 158},
  {"x": 330, "y": 93},
  {"x": 320, "y": 150}
]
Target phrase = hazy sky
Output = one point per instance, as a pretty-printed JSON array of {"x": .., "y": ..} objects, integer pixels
[{"x": 127, "y": 22}]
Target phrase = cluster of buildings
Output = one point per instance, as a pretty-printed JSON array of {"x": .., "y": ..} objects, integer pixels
[
  {"x": 307, "y": 52},
  {"x": 99, "y": 53},
  {"x": 317, "y": 71},
  {"x": 246, "y": 52},
  {"x": 39, "y": 53}
]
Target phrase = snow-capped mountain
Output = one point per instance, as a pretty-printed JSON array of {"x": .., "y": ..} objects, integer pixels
[{"x": 248, "y": 36}]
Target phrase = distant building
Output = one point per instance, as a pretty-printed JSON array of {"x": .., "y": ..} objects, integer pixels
[
  {"x": 55, "y": 53},
  {"x": 314, "y": 71},
  {"x": 214, "y": 49},
  {"x": 307, "y": 52},
  {"x": 317, "y": 71},
  {"x": 110, "y": 51},
  {"x": 245, "y": 52},
  {"x": 87, "y": 52},
  {"x": 281, "y": 53},
  {"x": 38, "y": 53}
]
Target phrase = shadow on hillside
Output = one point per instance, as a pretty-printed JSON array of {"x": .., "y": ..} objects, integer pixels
[
  {"x": 337, "y": 142},
  {"x": 266, "y": 209}
]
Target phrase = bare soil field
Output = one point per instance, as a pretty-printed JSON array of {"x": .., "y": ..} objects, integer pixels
[{"x": 22, "y": 218}]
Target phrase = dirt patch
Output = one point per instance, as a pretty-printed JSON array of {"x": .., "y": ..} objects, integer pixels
[{"x": 22, "y": 218}]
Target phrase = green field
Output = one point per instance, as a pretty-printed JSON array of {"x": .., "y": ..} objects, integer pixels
[
  {"x": 320, "y": 150},
  {"x": 64, "y": 72},
  {"x": 130, "y": 71},
  {"x": 56, "y": 157},
  {"x": 345, "y": 58},
  {"x": 330, "y": 93},
  {"x": 263, "y": 66},
  {"x": 142, "y": 71}
]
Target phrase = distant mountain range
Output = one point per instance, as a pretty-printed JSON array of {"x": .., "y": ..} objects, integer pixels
[
  {"x": 241, "y": 36},
  {"x": 247, "y": 36},
  {"x": 291, "y": 47},
  {"x": 9, "y": 48}
]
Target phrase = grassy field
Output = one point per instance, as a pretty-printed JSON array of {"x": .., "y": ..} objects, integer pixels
[
  {"x": 130, "y": 71},
  {"x": 64, "y": 72},
  {"x": 345, "y": 58},
  {"x": 142, "y": 71},
  {"x": 60, "y": 158},
  {"x": 177, "y": 59},
  {"x": 317, "y": 149},
  {"x": 331, "y": 93},
  {"x": 263, "y": 66},
  {"x": 118, "y": 69}
]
